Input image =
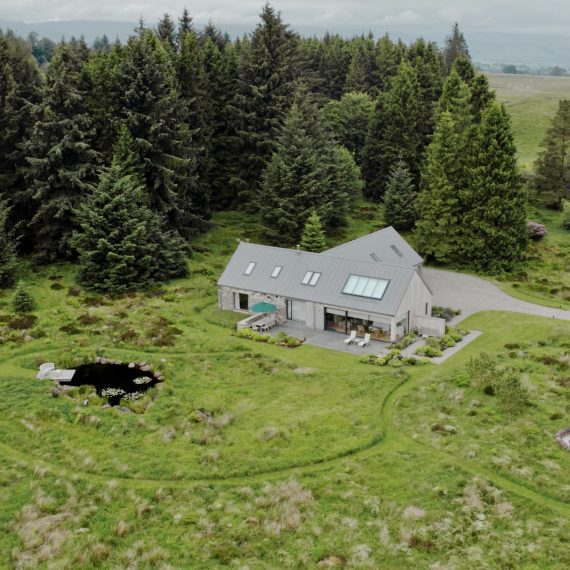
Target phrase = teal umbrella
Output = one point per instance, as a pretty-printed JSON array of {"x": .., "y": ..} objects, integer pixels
[{"x": 263, "y": 307}]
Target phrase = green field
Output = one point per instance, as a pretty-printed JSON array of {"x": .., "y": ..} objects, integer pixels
[
  {"x": 308, "y": 456},
  {"x": 531, "y": 100}
]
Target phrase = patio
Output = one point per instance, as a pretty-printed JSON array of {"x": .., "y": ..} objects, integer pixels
[{"x": 331, "y": 340}]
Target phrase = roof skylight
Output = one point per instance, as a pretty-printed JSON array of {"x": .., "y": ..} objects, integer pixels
[
  {"x": 277, "y": 271},
  {"x": 249, "y": 268},
  {"x": 361, "y": 286},
  {"x": 311, "y": 278}
]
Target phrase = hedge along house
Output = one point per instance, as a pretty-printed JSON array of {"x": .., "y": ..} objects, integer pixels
[{"x": 370, "y": 285}]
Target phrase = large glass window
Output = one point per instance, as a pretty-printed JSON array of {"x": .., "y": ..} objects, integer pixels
[{"x": 365, "y": 286}]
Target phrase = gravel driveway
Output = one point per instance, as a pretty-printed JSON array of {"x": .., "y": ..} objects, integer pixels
[{"x": 472, "y": 294}]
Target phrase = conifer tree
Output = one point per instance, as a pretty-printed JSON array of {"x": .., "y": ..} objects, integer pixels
[
  {"x": 455, "y": 46},
  {"x": 151, "y": 111},
  {"x": 22, "y": 301},
  {"x": 313, "y": 237},
  {"x": 7, "y": 250},
  {"x": 362, "y": 71},
  {"x": 185, "y": 25},
  {"x": 553, "y": 164},
  {"x": 494, "y": 220},
  {"x": 123, "y": 245},
  {"x": 62, "y": 162},
  {"x": 267, "y": 67},
  {"x": 439, "y": 202},
  {"x": 306, "y": 172},
  {"x": 481, "y": 96},
  {"x": 20, "y": 94},
  {"x": 333, "y": 60},
  {"x": 166, "y": 32},
  {"x": 394, "y": 132},
  {"x": 388, "y": 58},
  {"x": 400, "y": 199},
  {"x": 348, "y": 119}
]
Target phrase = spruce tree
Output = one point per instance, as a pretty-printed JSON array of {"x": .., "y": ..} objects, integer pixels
[
  {"x": 400, "y": 199},
  {"x": 388, "y": 58},
  {"x": 267, "y": 67},
  {"x": 185, "y": 26},
  {"x": 348, "y": 119},
  {"x": 7, "y": 250},
  {"x": 20, "y": 95},
  {"x": 494, "y": 220},
  {"x": 150, "y": 108},
  {"x": 62, "y": 162},
  {"x": 362, "y": 71},
  {"x": 553, "y": 164},
  {"x": 123, "y": 245},
  {"x": 306, "y": 172},
  {"x": 439, "y": 201},
  {"x": 166, "y": 32},
  {"x": 455, "y": 47},
  {"x": 333, "y": 60},
  {"x": 313, "y": 237},
  {"x": 22, "y": 301},
  {"x": 395, "y": 132}
]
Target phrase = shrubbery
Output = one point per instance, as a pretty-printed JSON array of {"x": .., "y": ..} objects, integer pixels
[
  {"x": 566, "y": 214},
  {"x": 394, "y": 359},
  {"x": 436, "y": 345},
  {"x": 444, "y": 312},
  {"x": 280, "y": 339}
]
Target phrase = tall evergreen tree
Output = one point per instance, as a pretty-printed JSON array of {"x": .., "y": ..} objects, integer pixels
[
  {"x": 494, "y": 221},
  {"x": 395, "y": 133},
  {"x": 334, "y": 57},
  {"x": 306, "y": 172},
  {"x": 388, "y": 58},
  {"x": 313, "y": 237},
  {"x": 166, "y": 31},
  {"x": 400, "y": 199},
  {"x": 20, "y": 94},
  {"x": 62, "y": 161},
  {"x": 123, "y": 246},
  {"x": 7, "y": 250},
  {"x": 553, "y": 164},
  {"x": 439, "y": 201},
  {"x": 185, "y": 26},
  {"x": 150, "y": 108},
  {"x": 455, "y": 46},
  {"x": 362, "y": 71},
  {"x": 266, "y": 71},
  {"x": 348, "y": 119}
]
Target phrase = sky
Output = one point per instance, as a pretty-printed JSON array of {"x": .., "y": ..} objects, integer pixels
[{"x": 520, "y": 16}]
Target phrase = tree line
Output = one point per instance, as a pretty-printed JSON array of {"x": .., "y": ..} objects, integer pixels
[{"x": 120, "y": 151}]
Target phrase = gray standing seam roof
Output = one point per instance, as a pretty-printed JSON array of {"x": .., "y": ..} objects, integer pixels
[
  {"x": 328, "y": 290},
  {"x": 381, "y": 246}
]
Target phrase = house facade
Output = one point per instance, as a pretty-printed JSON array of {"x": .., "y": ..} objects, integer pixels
[{"x": 370, "y": 285}]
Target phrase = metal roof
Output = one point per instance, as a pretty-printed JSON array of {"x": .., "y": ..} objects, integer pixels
[
  {"x": 328, "y": 290},
  {"x": 383, "y": 246}
]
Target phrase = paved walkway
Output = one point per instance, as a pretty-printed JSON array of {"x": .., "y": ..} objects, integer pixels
[{"x": 472, "y": 294}]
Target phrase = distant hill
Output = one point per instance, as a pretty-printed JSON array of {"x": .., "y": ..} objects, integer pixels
[
  {"x": 486, "y": 46},
  {"x": 531, "y": 100}
]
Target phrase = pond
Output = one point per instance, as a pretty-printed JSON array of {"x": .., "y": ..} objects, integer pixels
[{"x": 115, "y": 381}]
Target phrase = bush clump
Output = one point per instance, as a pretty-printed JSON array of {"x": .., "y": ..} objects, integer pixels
[
  {"x": 446, "y": 313},
  {"x": 280, "y": 339},
  {"x": 394, "y": 359}
]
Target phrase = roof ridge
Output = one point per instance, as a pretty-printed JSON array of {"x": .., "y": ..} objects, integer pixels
[{"x": 340, "y": 258}]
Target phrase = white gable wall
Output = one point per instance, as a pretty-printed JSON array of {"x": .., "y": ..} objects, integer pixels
[{"x": 415, "y": 299}]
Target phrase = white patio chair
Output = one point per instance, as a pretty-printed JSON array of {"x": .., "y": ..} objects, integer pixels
[
  {"x": 351, "y": 338},
  {"x": 365, "y": 341}
]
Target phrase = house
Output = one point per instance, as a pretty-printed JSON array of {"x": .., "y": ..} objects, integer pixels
[{"x": 372, "y": 284}]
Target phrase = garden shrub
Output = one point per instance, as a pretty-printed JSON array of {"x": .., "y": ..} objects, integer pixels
[
  {"x": 280, "y": 339},
  {"x": 429, "y": 351},
  {"x": 566, "y": 214},
  {"x": 446, "y": 313}
]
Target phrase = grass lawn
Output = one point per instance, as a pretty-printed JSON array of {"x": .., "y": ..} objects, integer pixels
[
  {"x": 532, "y": 101},
  {"x": 308, "y": 456}
]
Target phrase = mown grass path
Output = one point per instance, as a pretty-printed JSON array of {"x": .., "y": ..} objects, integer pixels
[{"x": 391, "y": 439}]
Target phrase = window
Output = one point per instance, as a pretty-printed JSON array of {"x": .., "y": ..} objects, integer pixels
[
  {"x": 427, "y": 308},
  {"x": 311, "y": 278},
  {"x": 249, "y": 268},
  {"x": 375, "y": 257},
  {"x": 365, "y": 286},
  {"x": 243, "y": 301},
  {"x": 397, "y": 251},
  {"x": 276, "y": 271}
]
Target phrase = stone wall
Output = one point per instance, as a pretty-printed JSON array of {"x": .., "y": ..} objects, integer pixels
[{"x": 226, "y": 301}]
